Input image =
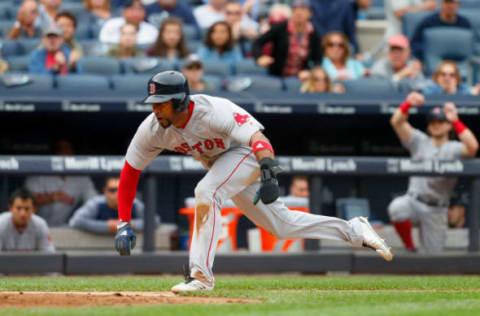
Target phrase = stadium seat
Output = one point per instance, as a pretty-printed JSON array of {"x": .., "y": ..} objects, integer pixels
[
  {"x": 83, "y": 32},
  {"x": 193, "y": 45},
  {"x": 147, "y": 65},
  {"x": 473, "y": 16},
  {"x": 83, "y": 84},
  {"x": 189, "y": 32},
  {"x": 131, "y": 83},
  {"x": 5, "y": 26},
  {"x": 411, "y": 20},
  {"x": 217, "y": 68},
  {"x": 258, "y": 83},
  {"x": 18, "y": 63},
  {"x": 73, "y": 7},
  {"x": 11, "y": 48},
  {"x": 376, "y": 11},
  {"x": 214, "y": 81},
  {"x": 348, "y": 208},
  {"x": 39, "y": 83},
  {"x": 447, "y": 43},
  {"x": 249, "y": 67},
  {"x": 6, "y": 11},
  {"x": 29, "y": 44},
  {"x": 369, "y": 86},
  {"x": 92, "y": 47},
  {"x": 292, "y": 84},
  {"x": 98, "y": 65},
  {"x": 470, "y": 4}
]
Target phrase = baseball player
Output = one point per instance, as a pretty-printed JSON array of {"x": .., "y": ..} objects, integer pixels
[
  {"x": 426, "y": 201},
  {"x": 229, "y": 142}
]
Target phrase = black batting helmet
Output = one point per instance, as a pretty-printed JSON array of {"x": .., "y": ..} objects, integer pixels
[
  {"x": 169, "y": 85},
  {"x": 436, "y": 114}
]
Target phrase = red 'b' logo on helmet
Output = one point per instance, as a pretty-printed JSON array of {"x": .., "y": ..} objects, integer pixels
[{"x": 152, "y": 88}]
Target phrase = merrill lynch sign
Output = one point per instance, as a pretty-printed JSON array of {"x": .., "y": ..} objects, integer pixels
[
  {"x": 406, "y": 165},
  {"x": 86, "y": 163},
  {"x": 324, "y": 164}
]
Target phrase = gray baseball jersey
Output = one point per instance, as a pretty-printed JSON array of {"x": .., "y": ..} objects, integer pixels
[
  {"x": 422, "y": 147},
  {"x": 35, "y": 237}
]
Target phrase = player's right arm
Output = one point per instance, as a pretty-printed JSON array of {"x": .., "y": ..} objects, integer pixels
[{"x": 399, "y": 120}]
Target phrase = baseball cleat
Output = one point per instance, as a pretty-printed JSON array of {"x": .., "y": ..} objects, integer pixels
[
  {"x": 190, "y": 285},
  {"x": 372, "y": 240}
]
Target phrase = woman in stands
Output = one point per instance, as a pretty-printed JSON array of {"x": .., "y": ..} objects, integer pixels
[
  {"x": 96, "y": 12},
  {"x": 447, "y": 80},
  {"x": 219, "y": 45},
  {"x": 170, "y": 42},
  {"x": 337, "y": 62},
  {"x": 126, "y": 46},
  {"x": 318, "y": 81}
]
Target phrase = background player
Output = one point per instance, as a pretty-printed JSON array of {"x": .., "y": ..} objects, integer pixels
[
  {"x": 427, "y": 198},
  {"x": 229, "y": 142}
]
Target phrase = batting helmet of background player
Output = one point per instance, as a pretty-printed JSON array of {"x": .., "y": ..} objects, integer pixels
[{"x": 166, "y": 86}]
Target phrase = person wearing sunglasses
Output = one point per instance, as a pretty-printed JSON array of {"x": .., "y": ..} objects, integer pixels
[
  {"x": 337, "y": 62},
  {"x": 99, "y": 215},
  {"x": 447, "y": 81}
]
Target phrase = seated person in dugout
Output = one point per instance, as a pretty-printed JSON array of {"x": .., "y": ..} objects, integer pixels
[
  {"x": 427, "y": 198},
  {"x": 20, "y": 229},
  {"x": 99, "y": 215}
]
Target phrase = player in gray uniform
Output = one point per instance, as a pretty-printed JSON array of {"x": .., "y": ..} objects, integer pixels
[
  {"x": 20, "y": 229},
  {"x": 229, "y": 142},
  {"x": 427, "y": 198}
]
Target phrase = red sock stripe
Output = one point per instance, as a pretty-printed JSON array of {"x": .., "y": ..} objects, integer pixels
[{"x": 404, "y": 230}]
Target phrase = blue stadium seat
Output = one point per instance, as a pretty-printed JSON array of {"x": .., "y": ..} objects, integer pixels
[
  {"x": 376, "y": 11},
  {"x": 92, "y": 47},
  {"x": 470, "y": 4},
  {"x": 411, "y": 20},
  {"x": 369, "y": 86},
  {"x": 131, "y": 83},
  {"x": 214, "y": 81},
  {"x": 83, "y": 32},
  {"x": 18, "y": 63},
  {"x": 217, "y": 68},
  {"x": 40, "y": 83},
  {"x": 73, "y": 7},
  {"x": 249, "y": 67},
  {"x": 11, "y": 48},
  {"x": 447, "y": 43},
  {"x": 6, "y": 11},
  {"x": 473, "y": 16},
  {"x": 292, "y": 84},
  {"x": 189, "y": 32},
  {"x": 99, "y": 65},
  {"x": 29, "y": 44},
  {"x": 83, "y": 84},
  {"x": 147, "y": 65},
  {"x": 193, "y": 45},
  {"x": 261, "y": 83},
  {"x": 5, "y": 26}
]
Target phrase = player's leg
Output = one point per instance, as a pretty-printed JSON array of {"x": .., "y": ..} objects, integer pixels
[
  {"x": 401, "y": 211},
  {"x": 433, "y": 226},
  {"x": 230, "y": 174},
  {"x": 284, "y": 223}
]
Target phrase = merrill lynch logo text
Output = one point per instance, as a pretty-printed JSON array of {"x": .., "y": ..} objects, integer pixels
[
  {"x": 9, "y": 164},
  {"x": 437, "y": 166},
  {"x": 90, "y": 163},
  {"x": 321, "y": 164}
]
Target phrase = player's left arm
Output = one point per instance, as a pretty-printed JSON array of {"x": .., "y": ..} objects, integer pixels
[{"x": 468, "y": 139}]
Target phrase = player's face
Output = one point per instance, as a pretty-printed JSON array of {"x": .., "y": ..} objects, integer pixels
[
  {"x": 438, "y": 128},
  {"x": 299, "y": 188},
  {"x": 22, "y": 210},
  {"x": 164, "y": 112},
  {"x": 111, "y": 192}
]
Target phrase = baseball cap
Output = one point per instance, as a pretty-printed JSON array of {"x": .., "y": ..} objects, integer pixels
[
  {"x": 53, "y": 29},
  {"x": 192, "y": 59},
  {"x": 436, "y": 114},
  {"x": 399, "y": 40},
  {"x": 301, "y": 4}
]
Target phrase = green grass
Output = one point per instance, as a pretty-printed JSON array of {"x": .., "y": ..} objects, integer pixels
[{"x": 280, "y": 295}]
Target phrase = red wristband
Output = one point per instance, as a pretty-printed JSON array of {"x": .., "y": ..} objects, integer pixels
[
  {"x": 404, "y": 107},
  {"x": 261, "y": 145},
  {"x": 459, "y": 127}
]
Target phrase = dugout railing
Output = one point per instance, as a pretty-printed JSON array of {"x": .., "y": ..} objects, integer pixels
[{"x": 316, "y": 167}]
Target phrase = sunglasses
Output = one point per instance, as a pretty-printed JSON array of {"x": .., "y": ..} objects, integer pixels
[
  {"x": 112, "y": 190},
  {"x": 194, "y": 67},
  {"x": 234, "y": 12},
  {"x": 447, "y": 74},
  {"x": 317, "y": 79},
  {"x": 336, "y": 44}
]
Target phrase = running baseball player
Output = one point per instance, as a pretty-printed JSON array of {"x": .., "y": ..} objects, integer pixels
[
  {"x": 427, "y": 198},
  {"x": 229, "y": 142}
]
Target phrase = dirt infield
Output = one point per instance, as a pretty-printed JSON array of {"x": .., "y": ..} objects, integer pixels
[{"x": 74, "y": 299}]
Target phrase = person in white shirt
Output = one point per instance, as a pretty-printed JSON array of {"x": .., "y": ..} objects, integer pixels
[
  {"x": 207, "y": 14},
  {"x": 133, "y": 13}
]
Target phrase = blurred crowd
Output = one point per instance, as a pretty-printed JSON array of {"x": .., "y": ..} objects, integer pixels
[{"x": 312, "y": 42}]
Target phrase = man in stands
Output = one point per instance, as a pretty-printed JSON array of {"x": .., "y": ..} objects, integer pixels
[
  {"x": 133, "y": 13},
  {"x": 99, "y": 214},
  {"x": 20, "y": 229},
  {"x": 161, "y": 9},
  {"x": 396, "y": 9},
  {"x": 447, "y": 17},
  {"x": 210, "y": 13},
  {"x": 68, "y": 23},
  {"x": 52, "y": 57},
  {"x": 25, "y": 26},
  {"x": 48, "y": 11}
]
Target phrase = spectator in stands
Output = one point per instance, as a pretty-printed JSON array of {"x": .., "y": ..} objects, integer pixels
[
  {"x": 447, "y": 17},
  {"x": 299, "y": 187},
  {"x": 57, "y": 195},
  {"x": 25, "y": 26},
  {"x": 319, "y": 82},
  {"x": 170, "y": 42},
  {"x": 192, "y": 68},
  {"x": 456, "y": 215},
  {"x": 278, "y": 13},
  {"x": 126, "y": 47},
  {"x": 447, "y": 80},
  {"x": 97, "y": 12},
  {"x": 68, "y": 23},
  {"x": 48, "y": 11},
  {"x": 20, "y": 228},
  {"x": 244, "y": 29},
  {"x": 337, "y": 62},
  {"x": 337, "y": 16},
  {"x": 3, "y": 65},
  {"x": 133, "y": 13},
  {"x": 210, "y": 13},
  {"x": 53, "y": 56},
  {"x": 398, "y": 65},
  {"x": 396, "y": 9},
  {"x": 161, "y": 9},
  {"x": 296, "y": 44},
  {"x": 99, "y": 214},
  {"x": 220, "y": 45}
]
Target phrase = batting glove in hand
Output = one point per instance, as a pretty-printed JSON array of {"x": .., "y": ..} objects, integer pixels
[
  {"x": 269, "y": 190},
  {"x": 125, "y": 239}
]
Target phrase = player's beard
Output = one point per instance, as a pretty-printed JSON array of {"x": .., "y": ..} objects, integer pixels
[{"x": 165, "y": 123}]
